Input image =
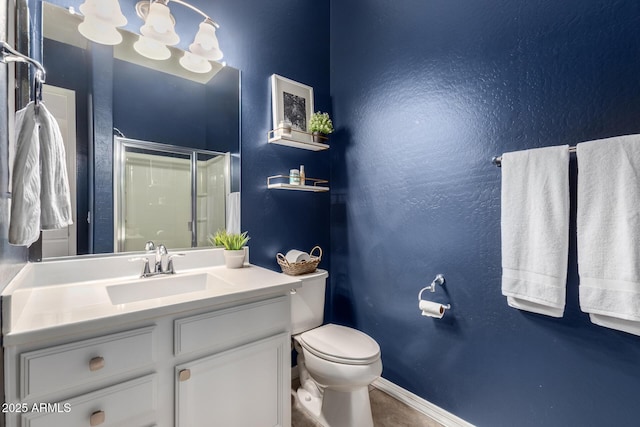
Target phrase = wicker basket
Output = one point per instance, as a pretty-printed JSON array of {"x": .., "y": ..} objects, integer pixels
[{"x": 302, "y": 267}]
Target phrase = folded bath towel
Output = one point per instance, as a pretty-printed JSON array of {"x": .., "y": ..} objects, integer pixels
[
  {"x": 535, "y": 229},
  {"x": 608, "y": 226},
  {"x": 40, "y": 197}
]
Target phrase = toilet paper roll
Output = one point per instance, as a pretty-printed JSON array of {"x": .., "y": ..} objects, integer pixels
[
  {"x": 295, "y": 255},
  {"x": 431, "y": 309}
]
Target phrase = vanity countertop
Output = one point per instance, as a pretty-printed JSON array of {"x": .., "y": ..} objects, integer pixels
[{"x": 33, "y": 312}]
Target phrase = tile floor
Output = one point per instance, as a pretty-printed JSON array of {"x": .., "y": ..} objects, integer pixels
[{"x": 387, "y": 412}]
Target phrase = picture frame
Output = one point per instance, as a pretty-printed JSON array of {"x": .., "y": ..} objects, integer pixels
[{"x": 291, "y": 101}]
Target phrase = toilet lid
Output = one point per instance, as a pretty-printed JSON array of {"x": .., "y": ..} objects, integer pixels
[{"x": 341, "y": 344}]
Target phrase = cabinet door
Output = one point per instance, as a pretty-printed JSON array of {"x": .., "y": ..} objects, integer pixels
[{"x": 247, "y": 386}]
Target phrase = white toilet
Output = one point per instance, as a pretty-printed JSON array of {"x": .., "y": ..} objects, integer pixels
[{"x": 336, "y": 364}]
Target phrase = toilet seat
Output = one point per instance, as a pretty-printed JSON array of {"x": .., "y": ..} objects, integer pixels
[{"x": 340, "y": 344}]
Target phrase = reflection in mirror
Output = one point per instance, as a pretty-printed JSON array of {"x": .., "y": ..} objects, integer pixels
[
  {"x": 107, "y": 87},
  {"x": 168, "y": 194}
]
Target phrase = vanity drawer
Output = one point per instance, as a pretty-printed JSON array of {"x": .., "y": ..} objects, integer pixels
[
  {"x": 65, "y": 366},
  {"x": 130, "y": 404},
  {"x": 232, "y": 326}
]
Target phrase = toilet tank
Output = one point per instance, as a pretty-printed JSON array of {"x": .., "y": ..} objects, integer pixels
[{"x": 307, "y": 304}]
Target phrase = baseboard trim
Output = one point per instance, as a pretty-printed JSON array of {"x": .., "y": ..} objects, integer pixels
[{"x": 419, "y": 404}]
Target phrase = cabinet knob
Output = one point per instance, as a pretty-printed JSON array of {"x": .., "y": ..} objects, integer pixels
[
  {"x": 96, "y": 418},
  {"x": 96, "y": 364},
  {"x": 184, "y": 374}
]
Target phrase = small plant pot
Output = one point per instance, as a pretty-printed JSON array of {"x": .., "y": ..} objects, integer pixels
[
  {"x": 234, "y": 259},
  {"x": 318, "y": 137}
]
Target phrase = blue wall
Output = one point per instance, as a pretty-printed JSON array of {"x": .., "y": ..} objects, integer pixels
[
  {"x": 289, "y": 38},
  {"x": 424, "y": 94}
]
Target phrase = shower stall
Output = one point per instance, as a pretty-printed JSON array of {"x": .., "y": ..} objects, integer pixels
[{"x": 168, "y": 194}]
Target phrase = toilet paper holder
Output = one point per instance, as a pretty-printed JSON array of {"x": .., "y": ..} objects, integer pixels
[{"x": 439, "y": 280}]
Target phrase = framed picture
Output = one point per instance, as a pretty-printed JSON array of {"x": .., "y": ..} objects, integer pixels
[{"x": 291, "y": 101}]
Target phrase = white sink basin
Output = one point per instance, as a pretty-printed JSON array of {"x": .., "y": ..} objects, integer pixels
[{"x": 161, "y": 286}]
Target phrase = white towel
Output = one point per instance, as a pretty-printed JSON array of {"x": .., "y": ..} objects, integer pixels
[
  {"x": 535, "y": 229},
  {"x": 40, "y": 186},
  {"x": 24, "y": 224},
  {"x": 233, "y": 213},
  {"x": 55, "y": 210},
  {"x": 608, "y": 226}
]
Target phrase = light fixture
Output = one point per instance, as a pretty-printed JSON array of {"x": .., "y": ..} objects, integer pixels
[
  {"x": 195, "y": 63},
  {"x": 159, "y": 25},
  {"x": 151, "y": 49},
  {"x": 206, "y": 43},
  {"x": 158, "y": 31},
  {"x": 101, "y": 19}
]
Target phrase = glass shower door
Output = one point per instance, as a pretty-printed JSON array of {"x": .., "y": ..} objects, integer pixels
[
  {"x": 212, "y": 188},
  {"x": 157, "y": 199}
]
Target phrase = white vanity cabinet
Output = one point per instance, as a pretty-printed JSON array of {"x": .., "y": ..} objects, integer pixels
[
  {"x": 226, "y": 365},
  {"x": 246, "y": 385},
  {"x": 102, "y": 381},
  {"x": 240, "y": 387}
]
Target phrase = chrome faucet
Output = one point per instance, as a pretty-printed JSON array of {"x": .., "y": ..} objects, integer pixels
[
  {"x": 161, "y": 255},
  {"x": 162, "y": 258}
]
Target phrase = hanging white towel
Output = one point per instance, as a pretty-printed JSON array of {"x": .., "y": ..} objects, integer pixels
[
  {"x": 24, "y": 224},
  {"x": 608, "y": 226},
  {"x": 535, "y": 229},
  {"x": 233, "y": 213},
  {"x": 55, "y": 199},
  {"x": 40, "y": 198}
]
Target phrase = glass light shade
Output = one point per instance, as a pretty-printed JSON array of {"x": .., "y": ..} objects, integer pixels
[
  {"x": 159, "y": 25},
  {"x": 107, "y": 11},
  {"x": 214, "y": 54},
  {"x": 99, "y": 31},
  {"x": 206, "y": 43},
  {"x": 195, "y": 63},
  {"x": 151, "y": 49},
  {"x": 206, "y": 36}
]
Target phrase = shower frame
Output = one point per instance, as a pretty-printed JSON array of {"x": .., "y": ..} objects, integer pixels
[{"x": 120, "y": 145}]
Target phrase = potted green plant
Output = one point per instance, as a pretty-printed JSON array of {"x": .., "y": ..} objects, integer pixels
[
  {"x": 233, "y": 243},
  {"x": 320, "y": 124}
]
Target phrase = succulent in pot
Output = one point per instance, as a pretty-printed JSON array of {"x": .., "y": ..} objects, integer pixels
[
  {"x": 233, "y": 243},
  {"x": 320, "y": 124}
]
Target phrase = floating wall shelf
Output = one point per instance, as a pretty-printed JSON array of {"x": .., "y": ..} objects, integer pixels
[
  {"x": 297, "y": 139},
  {"x": 284, "y": 184}
]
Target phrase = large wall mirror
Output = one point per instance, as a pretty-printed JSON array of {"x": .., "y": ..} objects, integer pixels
[{"x": 104, "y": 96}]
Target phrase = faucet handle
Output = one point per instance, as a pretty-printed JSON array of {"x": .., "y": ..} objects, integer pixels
[
  {"x": 161, "y": 250},
  {"x": 146, "y": 270},
  {"x": 170, "y": 269},
  {"x": 149, "y": 246}
]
